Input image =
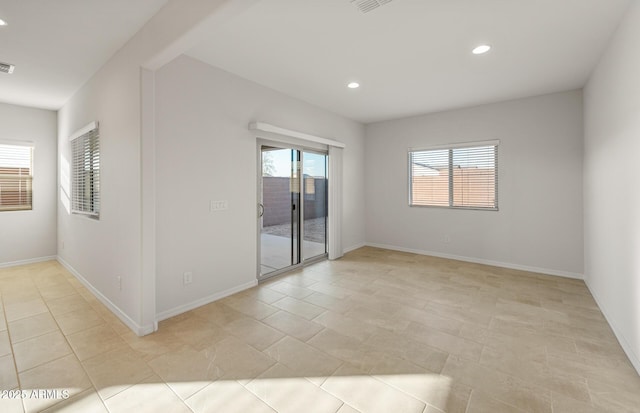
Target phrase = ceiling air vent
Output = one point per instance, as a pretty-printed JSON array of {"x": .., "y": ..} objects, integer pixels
[
  {"x": 6, "y": 68},
  {"x": 366, "y": 6}
]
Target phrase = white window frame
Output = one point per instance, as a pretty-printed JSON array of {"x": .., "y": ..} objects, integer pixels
[
  {"x": 85, "y": 147},
  {"x": 451, "y": 148},
  {"x": 28, "y": 179}
]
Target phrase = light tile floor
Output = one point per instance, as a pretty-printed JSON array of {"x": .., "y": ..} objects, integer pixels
[{"x": 376, "y": 331}]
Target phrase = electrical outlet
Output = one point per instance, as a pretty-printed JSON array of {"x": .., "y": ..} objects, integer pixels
[
  {"x": 187, "y": 278},
  {"x": 119, "y": 283},
  {"x": 218, "y": 205},
  {"x": 446, "y": 238}
]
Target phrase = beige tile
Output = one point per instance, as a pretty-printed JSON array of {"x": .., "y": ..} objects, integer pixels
[
  {"x": 432, "y": 389},
  {"x": 153, "y": 345},
  {"x": 94, "y": 341},
  {"x": 30, "y": 327},
  {"x": 399, "y": 346},
  {"x": 186, "y": 371},
  {"x": 299, "y": 308},
  {"x": 350, "y": 327},
  {"x": 196, "y": 332},
  {"x": 289, "y": 289},
  {"x": 23, "y": 309},
  {"x": 116, "y": 370},
  {"x": 303, "y": 359},
  {"x": 218, "y": 313},
  {"x": 254, "y": 333},
  {"x": 3, "y": 322},
  {"x": 36, "y": 351},
  {"x": 80, "y": 320},
  {"x": 348, "y": 409},
  {"x": 8, "y": 375},
  {"x": 563, "y": 404},
  {"x": 378, "y": 318},
  {"x": 236, "y": 360},
  {"x": 336, "y": 305},
  {"x": 481, "y": 403},
  {"x": 265, "y": 295},
  {"x": 59, "y": 289},
  {"x": 11, "y": 405},
  {"x": 63, "y": 374},
  {"x": 285, "y": 393},
  {"x": 498, "y": 385},
  {"x": 150, "y": 396},
  {"x": 63, "y": 305},
  {"x": 293, "y": 325},
  {"x": 226, "y": 396},
  {"x": 5, "y": 345},
  {"x": 249, "y": 306},
  {"x": 445, "y": 342},
  {"x": 367, "y": 394},
  {"x": 86, "y": 402}
]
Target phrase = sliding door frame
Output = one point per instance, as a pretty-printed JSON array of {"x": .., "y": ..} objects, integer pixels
[{"x": 321, "y": 150}]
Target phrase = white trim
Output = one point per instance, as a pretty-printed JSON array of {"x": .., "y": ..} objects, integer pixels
[
  {"x": 354, "y": 247},
  {"x": 544, "y": 271},
  {"x": 624, "y": 343},
  {"x": 204, "y": 301},
  {"x": 28, "y": 144},
  {"x": 494, "y": 142},
  {"x": 135, "y": 327},
  {"x": 266, "y": 127},
  {"x": 85, "y": 129},
  {"x": 28, "y": 261}
]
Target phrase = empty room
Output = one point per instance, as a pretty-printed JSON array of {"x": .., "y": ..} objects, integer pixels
[{"x": 337, "y": 206}]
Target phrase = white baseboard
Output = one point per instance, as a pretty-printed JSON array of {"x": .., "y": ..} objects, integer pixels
[
  {"x": 204, "y": 301},
  {"x": 25, "y": 262},
  {"x": 624, "y": 343},
  {"x": 546, "y": 271},
  {"x": 135, "y": 327},
  {"x": 354, "y": 247}
]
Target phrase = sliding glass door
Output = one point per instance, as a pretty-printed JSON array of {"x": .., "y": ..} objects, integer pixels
[{"x": 293, "y": 208}]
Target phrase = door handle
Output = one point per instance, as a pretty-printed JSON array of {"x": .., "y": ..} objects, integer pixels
[{"x": 261, "y": 213}]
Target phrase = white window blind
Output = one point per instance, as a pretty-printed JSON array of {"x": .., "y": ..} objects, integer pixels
[
  {"x": 85, "y": 173},
  {"x": 459, "y": 176},
  {"x": 16, "y": 177}
]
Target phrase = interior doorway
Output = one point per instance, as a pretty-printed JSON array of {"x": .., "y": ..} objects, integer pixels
[{"x": 293, "y": 208}]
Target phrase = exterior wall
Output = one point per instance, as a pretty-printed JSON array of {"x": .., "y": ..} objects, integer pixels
[{"x": 277, "y": 200}]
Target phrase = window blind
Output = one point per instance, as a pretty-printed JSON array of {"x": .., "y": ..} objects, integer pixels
[
  {"x": 85, "y": 173},
  {"x": 16, "y": 177},
  {"x": 455, "y": 177}
]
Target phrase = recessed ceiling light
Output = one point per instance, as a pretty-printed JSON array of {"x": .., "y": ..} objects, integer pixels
[
  {"x": 353, "y": 85},
  {"x": 3, "y": 23},
  {"x": 483, "y": 48}
]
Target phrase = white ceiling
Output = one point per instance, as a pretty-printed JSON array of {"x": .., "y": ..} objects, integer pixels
[
  {"x": 58, "y": 45},
  {"x": 413, "y": 56}
]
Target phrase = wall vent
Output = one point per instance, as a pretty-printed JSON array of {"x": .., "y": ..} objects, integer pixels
[
  {"x": 6, "y": 68},
  {"x": 365, "y": 6}
]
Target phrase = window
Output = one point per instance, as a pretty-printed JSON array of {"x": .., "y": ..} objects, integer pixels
[
  {"x": 16, "y": 177},
  {"x": 85, "y": 171},
  {"x": 455, "y": 176}
]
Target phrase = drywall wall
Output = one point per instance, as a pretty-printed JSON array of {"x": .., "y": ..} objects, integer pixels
[
  {"x": 539, "y": 222},
  {"x": 611, "y": 182},
  {"x": 111, "y": 255},
  {"x": 27, "y": 236},
  {"x": 205, "y": 152}
]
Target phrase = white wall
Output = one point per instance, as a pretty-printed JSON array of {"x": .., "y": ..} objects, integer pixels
[
  {"x": 612, "y": 184},
  {"x": 539, "y": 224},
  {"x": 31, "y": 235},
  {"x": 205, "y": 152},
  {"x": 100, "y": 251}
]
